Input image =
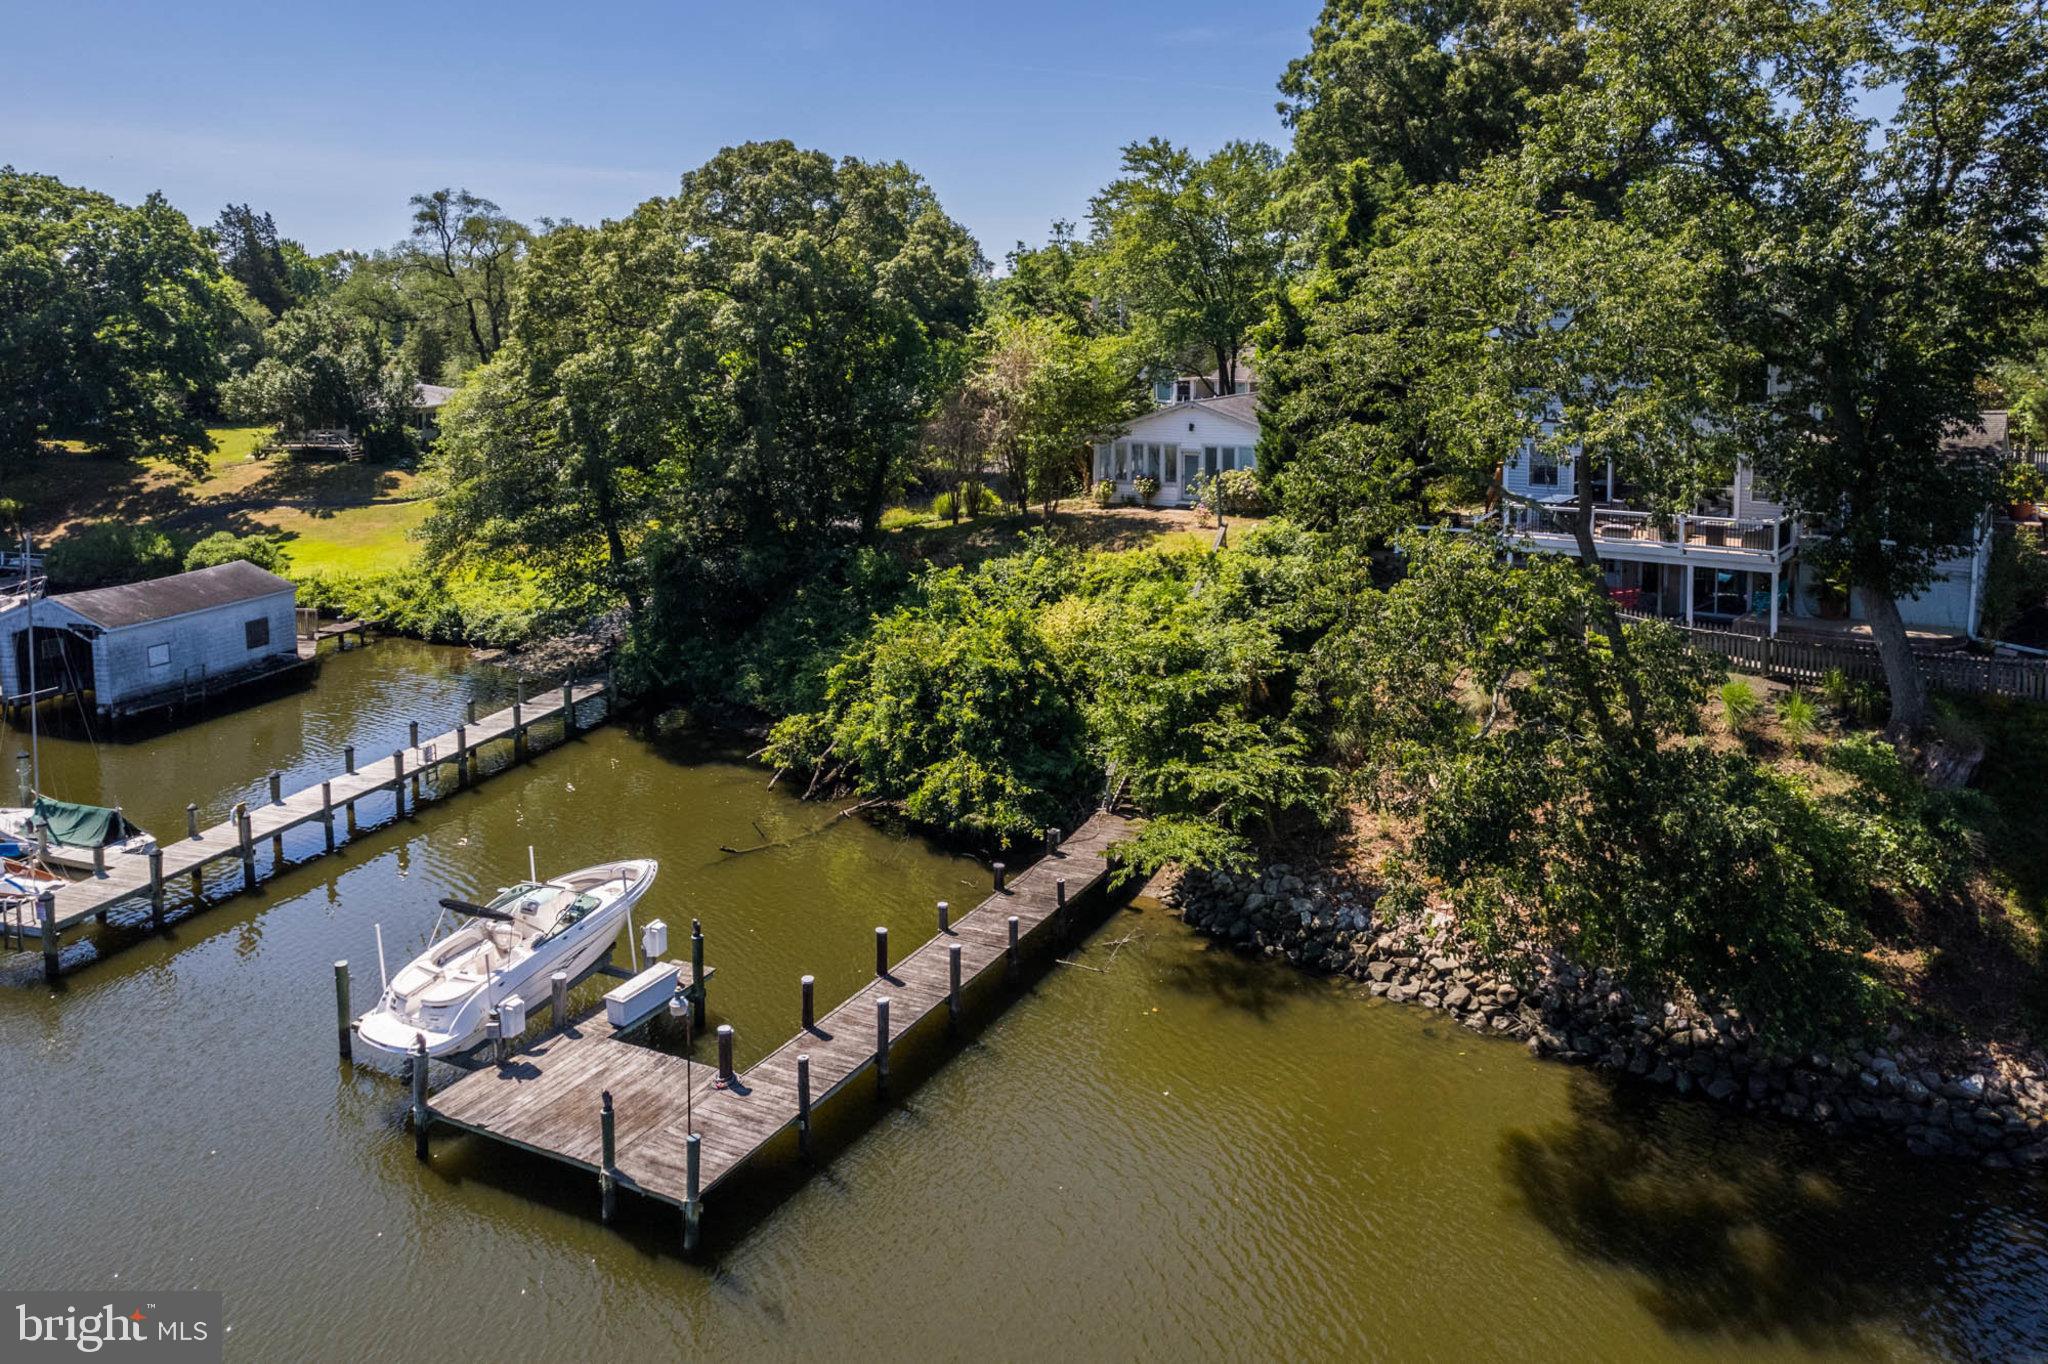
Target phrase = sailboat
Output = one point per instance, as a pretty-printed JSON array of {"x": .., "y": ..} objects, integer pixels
[
  {"x": 510, "y": 946},
  {"x": 65, "y": 834}
]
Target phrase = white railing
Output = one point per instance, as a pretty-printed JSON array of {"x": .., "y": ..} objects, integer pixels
[{"x": 1772, "y": 536}]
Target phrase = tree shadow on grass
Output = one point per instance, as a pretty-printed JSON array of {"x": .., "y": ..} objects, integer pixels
[{"x": 1746, "y": 1230}]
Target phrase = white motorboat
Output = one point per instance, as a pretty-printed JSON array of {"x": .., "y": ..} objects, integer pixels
[
  {"x": 511, "y": 946},
  {"x": 64, "y": 834}
]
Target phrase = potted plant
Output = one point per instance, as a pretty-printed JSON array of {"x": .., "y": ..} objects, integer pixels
[{"x": 2025, "y": 485}]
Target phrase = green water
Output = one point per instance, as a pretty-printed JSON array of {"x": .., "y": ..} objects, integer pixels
[{"x": 1158, "y": 1152}]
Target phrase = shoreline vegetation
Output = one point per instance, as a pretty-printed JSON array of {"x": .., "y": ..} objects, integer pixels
[{"x": 788, "y": 446}]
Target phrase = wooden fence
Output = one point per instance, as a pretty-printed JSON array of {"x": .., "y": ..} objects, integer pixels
[{"x": 1807, "y": 661}]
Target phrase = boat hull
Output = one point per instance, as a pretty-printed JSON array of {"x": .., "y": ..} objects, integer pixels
[{"x": 575, "y": 952}]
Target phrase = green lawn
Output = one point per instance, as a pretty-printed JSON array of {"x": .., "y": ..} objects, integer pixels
[{"x": 334, "y": 517}]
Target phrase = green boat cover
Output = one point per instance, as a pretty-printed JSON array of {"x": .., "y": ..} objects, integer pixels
[{"x": 82, "y": 826}]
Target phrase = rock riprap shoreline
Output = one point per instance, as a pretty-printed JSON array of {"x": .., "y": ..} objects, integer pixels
[{"x": 1980, "y": 1103}]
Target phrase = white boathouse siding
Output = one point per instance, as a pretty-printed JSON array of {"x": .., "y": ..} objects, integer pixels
[{"x": 148, "y": 639}]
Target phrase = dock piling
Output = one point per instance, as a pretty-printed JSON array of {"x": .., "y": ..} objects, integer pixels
[
  {"x": 803, "y": 1103},
  {"x": 607, "y": 1186},
  {"x": 46, "y": 915},
  {"x": 1013, "y": 942},
  {"x": 568, "y": 706},
  {"x": 953, "y": 984},
  {"x": 998, "y": 869},
  {"x": 558, "y": 1000},
  {"x": 341, "y": 1027},
  {"x": 882, "y": 1046},
  {"x": 248, "y": 845},
  {"x": 693, "y": 1157},
  {"x": 420, "y": 1115},
  {"x": 945, "y": 917},
  {"x": 462, "y": 755},
  {"x": 882, "y": 952},
  {"x": 725, "y": 1053},
  {"x": 118, "y": 882},
  {"x": 469, "y": 712},
  {"x": 810, "y": 984},
  {"x": 1052, "y": 842},
  {"x": 696, "y": 975},
  {"x": 1059, "y": 893}
]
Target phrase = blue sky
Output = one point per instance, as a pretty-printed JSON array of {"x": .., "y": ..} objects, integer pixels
[{"x": 330, "y": 116}]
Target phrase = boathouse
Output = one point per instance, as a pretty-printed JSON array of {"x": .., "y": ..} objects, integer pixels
[{"x": 143, "y": 646}]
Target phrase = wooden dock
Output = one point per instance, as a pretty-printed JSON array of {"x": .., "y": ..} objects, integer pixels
[
  {"x": 128, "y": 877},
  {"x": 633, "y": 1116}
]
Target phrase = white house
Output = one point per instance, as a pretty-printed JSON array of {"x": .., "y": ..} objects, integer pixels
[
  {"x": 1733, "y": 559},
  {"x": 144, "y": 645},
  {"x": 1190, "y": 386},
  {"x": 1180, "y": 444}
]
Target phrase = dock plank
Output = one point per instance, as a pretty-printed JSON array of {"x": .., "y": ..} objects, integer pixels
[
  {"x": 549, "y": 1095},
  {"x": 128, "y": 878}
]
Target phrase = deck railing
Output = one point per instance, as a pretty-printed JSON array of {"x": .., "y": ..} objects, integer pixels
[
  {"x": 1758, "y": 536},
  {"x": 1808, "y": 661}
]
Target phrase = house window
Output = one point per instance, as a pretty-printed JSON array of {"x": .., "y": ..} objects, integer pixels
[
  {"x": 1182, "y": 391},
  {"x": 159, "y": 655},
  {"x": 257, "y": 632},
  {"x": 1229, "y": 457},
  {"x": 1163, "y": 390},
  {"x": 1542, "y": 469},
  {"x": 1120, "y": 449}
]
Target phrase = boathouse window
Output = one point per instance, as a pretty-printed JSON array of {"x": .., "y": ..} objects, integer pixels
[
  {"x": 257, "y": 632},
  {"x": 159, "y": 655}
]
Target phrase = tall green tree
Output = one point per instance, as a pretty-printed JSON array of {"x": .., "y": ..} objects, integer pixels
[
  {"x": 324, "y": 368},
  {"x": 1053, "y": 280},
  {"x": 251, "y": 254},
  {"x": 735, "y": 376},
  {"x": 1046, "y": 393},
  {"x": 111, "y": 318},
  {"x": 1880, "y": 261},
  {"x": 1191, "y": 248},
  {"x": 1391, "y": 98},
  {"x": 467, "y": 253}
]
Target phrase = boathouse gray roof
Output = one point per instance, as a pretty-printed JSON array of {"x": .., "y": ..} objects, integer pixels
[{"x": 180, "y": 594}]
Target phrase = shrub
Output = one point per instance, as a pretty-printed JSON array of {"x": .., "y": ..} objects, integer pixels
[
  {"x": 1797, "y": 717},
  {"x": 1103, "y": 493},
  {"x": 978, "y": 502},
  {"x": 1863, "y": 702},
  {"x": 1739, "y": 700},
  {"x": 225, "y": 547},
  {"x": 1147, "y": 487},
  {"x": 2023, "y": 483},
  {"x": 108, "y": 553},
  {"x": 1238, "y": 493}
]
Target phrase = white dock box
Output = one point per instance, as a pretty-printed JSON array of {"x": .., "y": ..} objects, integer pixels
[
  {"x": 512, "y": 1016},
  {"x": 640, "y": 996}
]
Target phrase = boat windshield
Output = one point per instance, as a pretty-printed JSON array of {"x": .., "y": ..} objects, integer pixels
[{"x": 569, "y": 916}]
